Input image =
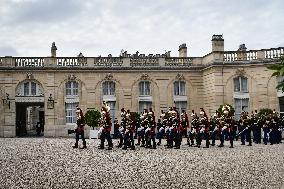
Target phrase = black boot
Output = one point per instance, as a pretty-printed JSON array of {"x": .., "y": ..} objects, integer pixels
[{"x": 75, "y": 146}]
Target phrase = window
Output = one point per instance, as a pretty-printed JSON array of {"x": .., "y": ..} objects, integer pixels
[
  {"x": 30, "y": 89},
  {"x": 144, "y": 105},
  {"x": 180, "y": 105},
  {"x": 33, "y": 88},
  {"x": 281, "y": 105},
  {"x": 179, "y": 88},
  {"x": 70, "y": 109},
  {"x": 240, "y": 84},
  {"x": 72, "y": 88},
  {"x": 109, "y": 88},
  {"x": 144, "y": 88},
  {"x": 241, "y": 105}
]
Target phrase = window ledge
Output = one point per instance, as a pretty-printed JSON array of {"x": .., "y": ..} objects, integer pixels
[
  {"x": 145, "y": 98},
  {"x": 241, "y": 95},
  {"x": 180, "y": 98},
  {"x": 109, "y": 98}
]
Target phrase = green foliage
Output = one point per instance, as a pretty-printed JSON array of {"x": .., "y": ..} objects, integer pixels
[
  {"x": 92, "y": 118},
  {"x": 264, "y": 111},
  {"x": 222, "y": 108},
  {"x": 278, "y": 71}
]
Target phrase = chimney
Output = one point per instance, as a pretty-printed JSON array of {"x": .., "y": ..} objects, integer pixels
[
  {"x": 53, "y": 50},
  {"x": 182, "y": 50},
  {"x": 217, "y": 43}
]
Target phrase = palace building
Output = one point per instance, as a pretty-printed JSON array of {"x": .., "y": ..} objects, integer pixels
[{"x": 48, "y": 89}]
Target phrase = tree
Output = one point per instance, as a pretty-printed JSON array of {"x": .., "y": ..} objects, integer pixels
[
  {"x": 278, "y": 71},
  {"x": 92, "y": 118}
]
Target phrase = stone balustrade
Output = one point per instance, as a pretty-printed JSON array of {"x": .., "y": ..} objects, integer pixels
[
  {"x": 108, "y": 62},
  {"x": 274, "y": 53},
  {"x": 29, "y": 62},
  {"x": 240, "y": 55},
  {"x": 71, "y": 61},
  {"x": 142, "y": 61},
  {"x": 178, "y": 62}
]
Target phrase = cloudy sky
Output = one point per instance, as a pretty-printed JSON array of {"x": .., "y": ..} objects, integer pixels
[{"x": 102, "y": 27}]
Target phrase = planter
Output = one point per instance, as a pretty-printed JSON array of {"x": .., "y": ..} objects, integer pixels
[{"x": 94, "y": 133}]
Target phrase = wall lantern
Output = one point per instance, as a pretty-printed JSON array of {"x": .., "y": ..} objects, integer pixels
[
  {"x": 50, "y": 102},
  {"x": 6, "y": 100}
]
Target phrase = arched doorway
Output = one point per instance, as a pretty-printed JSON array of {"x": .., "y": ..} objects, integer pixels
[{"x": 29, "y": 108}]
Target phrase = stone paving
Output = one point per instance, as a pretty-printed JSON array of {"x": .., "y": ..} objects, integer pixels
[{"x": 53, "y": 163}]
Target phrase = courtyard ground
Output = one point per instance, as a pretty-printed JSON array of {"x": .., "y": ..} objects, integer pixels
[{"x": 53, "y": 163}]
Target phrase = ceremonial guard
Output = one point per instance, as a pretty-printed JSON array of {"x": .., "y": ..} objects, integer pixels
[
  {"x": 184, "y": 124},
  {"x": 105, "y": 127},
  {"x": 141, "y": 128},
  {"x": 79, "y": 129},
  {"x": 129, "y": 132},
  {"x": 214, "y": 126},
  {"x": 122, "y": 127},
  {"x": 256, "y": 127},
  {"x": 194, "y": 125},
  {"x": 204, "y": 127},
  {"x": 245, "y": 128}
]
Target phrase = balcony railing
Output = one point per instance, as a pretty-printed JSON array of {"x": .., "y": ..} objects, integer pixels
[
  {"x": 274, "y": 53},
  {"x": 240, "y": 55},
  {"x": 108, "y": 62},
  {"x": 178, "y": 62},
  {"x": 141, "y": 62},
  {"x": 71, "y": 62},
  {"x": 144, "y": 62},
  {"x": 29, "y": 62}
]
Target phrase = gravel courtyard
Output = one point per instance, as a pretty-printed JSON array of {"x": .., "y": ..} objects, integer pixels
[{"x": 52, "y": 163}]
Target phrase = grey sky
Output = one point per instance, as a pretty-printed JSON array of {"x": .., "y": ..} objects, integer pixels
[{"x": 102, "y": 27}]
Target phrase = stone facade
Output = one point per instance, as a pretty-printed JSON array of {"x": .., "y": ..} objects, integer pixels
[{"x": 209, "y": 82}]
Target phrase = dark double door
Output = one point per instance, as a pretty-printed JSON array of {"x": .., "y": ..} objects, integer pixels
[{"x": 26, "y": 124}]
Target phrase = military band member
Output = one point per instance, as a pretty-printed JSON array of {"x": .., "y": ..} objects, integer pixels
[
  {"x": 79, "y": 130},
  {"x": 105, "y": 127}
]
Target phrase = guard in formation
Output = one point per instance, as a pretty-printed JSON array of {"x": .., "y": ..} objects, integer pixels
[{"x": 174, "y": 127}]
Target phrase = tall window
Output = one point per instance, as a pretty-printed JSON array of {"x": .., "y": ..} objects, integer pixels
[
  {"x": 241, "y": 105},
  {"x": 144, "y": 105},
  {"x": 144, "y": 88},
  {"x": 72, "y": 88},
  {"x": 179, "y": 88},
  {"x": 180, "y": 105},
  {"x": 240, "y": 84},
  {"x": 70, "y": 109},
  {"x": 30, "y": 88},
  {"x": 108, "y": 88}
]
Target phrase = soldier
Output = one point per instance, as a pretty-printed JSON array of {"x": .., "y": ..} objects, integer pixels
[
  {"x": 161, "y": 131},
  {"x": 266, "y": 119},
  {"x": 245, "y": 129},
  {"x": 150, "y": 131},
  {"x": 106, "y": 127},
  {"x": 116, "y": 128},
  {"x": 141, "y": 128},
  {"x": 122, "y": 127},
  {"x": 214, "y": 126},
  {"x": 194, "y": 123},
  {"x": 184, "y": 124},
  {"x": 204, "y": 125},
  {"x": 256, "y": 128},
  {"x": 79, "y": 130},
  {"x": 129, "y": 132}
]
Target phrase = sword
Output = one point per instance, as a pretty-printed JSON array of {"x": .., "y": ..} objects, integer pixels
[{"x": 241, "y": 132}]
